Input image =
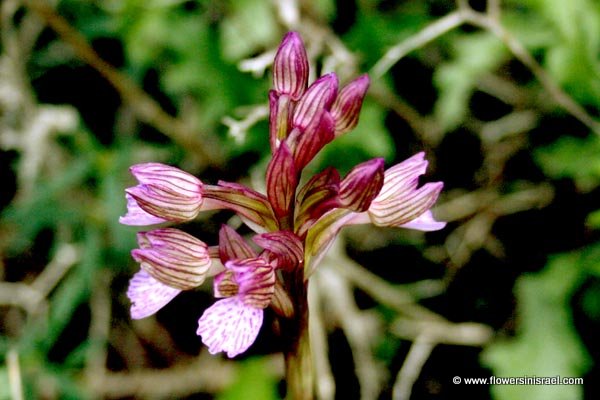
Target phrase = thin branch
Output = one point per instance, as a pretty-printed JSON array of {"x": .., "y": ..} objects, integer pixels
[
  {"x": 427, "y": 129},
  {"x": 416, "y": 41},
  {"x": 489, "y": 22},
  {"x": 66, "y": 256},
  {"x": 99, "y": 330},
  {"x": 288, "y": 12},
  {"x": 258, "y": 65},
  {"x": 379, "y": 289},
  {"x": 459, "y": 333},
  {"x": 145, "y": 108},
  {"x": 520, "y": 52},
  {"x": 15, "y": 381},
  {"x": 20, "y": 295},
  {"x": 360, "y": 328},
  {"x": 411, "y": 368},
  {"x": 239, "y": 128},
  {"x": 325, "y": 383},
  {"x": 494, "y": 9},
  {"x": 203, "y": 374}
]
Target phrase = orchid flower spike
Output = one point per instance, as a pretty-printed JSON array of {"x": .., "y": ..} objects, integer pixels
[{"x": 294, "y": 225}]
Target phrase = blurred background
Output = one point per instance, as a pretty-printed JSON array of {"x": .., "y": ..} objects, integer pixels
[{"x": 503, "y": 96}]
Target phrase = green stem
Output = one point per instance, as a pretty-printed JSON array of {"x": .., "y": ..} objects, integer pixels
[{"x": 298, "y": 357}]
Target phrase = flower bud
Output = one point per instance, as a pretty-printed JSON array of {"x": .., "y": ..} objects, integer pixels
[
  {"x": 281, "y": 181},
  {"x": 319, "y": 96},
  {"x": 306, "y": 143},
  {"x": 290, "y": 67},
  {"x": 346, "y": 108},
  {"x": 315, "y": 198}
]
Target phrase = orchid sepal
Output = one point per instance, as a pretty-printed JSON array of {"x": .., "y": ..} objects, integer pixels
[
  {"x": 348, "y": 103},
  {"x": 282, "y": 180},
  {"x": 362, "y": 185},
  {"x": 173, "y": 257},
  {"x": 290, "y": 67}
]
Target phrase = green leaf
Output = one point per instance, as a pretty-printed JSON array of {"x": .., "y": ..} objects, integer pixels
[
  {"x": 48, "y": 206},
  {"x": 254, "y": 382},
  {"x": 590, "y": 301},
  {"x": 593, "y": 219},
  {"x": 575, "y": 158},
  {"x": 4, "y": 384},
  {"x": 374, "y": 32},
  {"x": 474, "y": 55},
  {"x": 72, "y": 291},
  {"x": 590, "y": 259},
  {"x": 571, "y": 57},
  {"x": 249, "y": 27},
  {"x": 546, "y": 344}
]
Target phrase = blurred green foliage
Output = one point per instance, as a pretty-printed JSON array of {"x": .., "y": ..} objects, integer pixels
[
  {"x": 546, "y": 344},
  {"x": 187, "y": 54}
]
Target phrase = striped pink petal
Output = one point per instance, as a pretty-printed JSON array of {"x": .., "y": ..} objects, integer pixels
[
  {"x": 256, "y": 280},
  {"x": 281, "y": 181},
  {"x": 174, "y": 257},
  {"x": 166, "y": 192},
  {"x": 362, "y": 184},
  {"x": 400, "y": 201},
  {"x": 232, "y": 245}
]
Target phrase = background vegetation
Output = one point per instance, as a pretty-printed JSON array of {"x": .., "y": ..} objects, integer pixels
[{"x": 504, "y": 96}]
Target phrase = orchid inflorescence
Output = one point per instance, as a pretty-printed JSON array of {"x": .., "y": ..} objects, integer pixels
[{"x": 294, "y": 225}]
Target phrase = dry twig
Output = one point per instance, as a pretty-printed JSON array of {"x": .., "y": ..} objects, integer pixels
[{"x": 145, "y": 107}]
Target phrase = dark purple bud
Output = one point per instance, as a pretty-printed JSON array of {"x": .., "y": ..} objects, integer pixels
[
  {"x": 319, "y": 96},
  {"x": 346, "y": 108},
  {"x": 305, "y": 144},
  {"x": 362, "y": 184},
  {"x": 290, "y": 68},
  {"x": 282, "y": 180}
]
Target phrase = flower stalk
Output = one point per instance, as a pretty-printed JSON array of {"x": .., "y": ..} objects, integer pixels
[
  {"x": 294, "y": 225},
  {"x": 297, "y": 349}
]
